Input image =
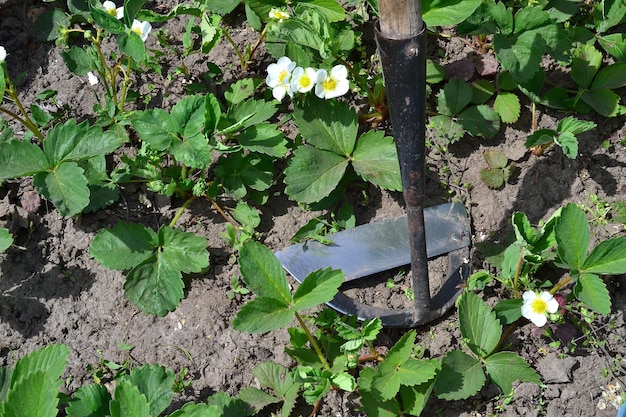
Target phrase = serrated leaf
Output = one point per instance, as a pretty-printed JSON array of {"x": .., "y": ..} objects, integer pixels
[
  {"x": 375, "y": 159},
  {"x": 568, "y": 143},
  {"x": 33, "y": 395},
  {"x": 197, "y": 410},
  {"x": 575, "y": 126},
  {"x": 155, "y": 383},
  {"x": 128, "y": 401},
  {"x": 131, "y": 7},
  {"x": 482, "y": 90},
  {"x": 611, "y": 77},
  {"x": 496, "y": 159},
  {"x": 262, "y": 314},
  {"x": 461, "y": 376},
  {"x": 609, "y": 257},
  {"x": 328, "y": 125},
  {"x": 446, "y": 128},
  {"x": 586, "y": 62},
  {"x": 264, "y": 138},
  {"x": 66, "y": 187},
  {"x": 524, "y": 232},
  {"x": 89, "y": 401},
  {"x": 592, "y": 291},
  {"x": 520, "y": 54},
  {"x": 480, "y": 120},
  {"x": 188, "y": 115},
  {"x": 252, "y": 111},
  {"x": 263, "y": 274},
  {"x": 21, "y": 159},
  {"x": 131, "y": 44},
  {"x": 155, "y": 127},
  {"x": 572, "y": 236},
  {"x": 493, "y": 178},
  {"x": 51, "y": 360},
  {"x": 372, "y": 404},
  {"x": 608, "y": 13},
  {"x": 603, "y": 100},
  {"x": 193, "y": 152},
  {"x": 504, "y": 368},
  {"x": 313, "y": 174},
  {"x": 414, "y": 398},
  {"x": 274, "y": 376},
  {"x": 507, "y": 105},
  {"x": 256, "y": 399},
  {"x": 124, "y": 246},
  {"x": 331, "y": 9},
  {"x": 454, "y": 97},
  {"x": 540, "y": 137},
  {"x": 447, "y": 12},
  {"x": 240, "y": 172},
  {"x": 317, "y": 288},
  {"x": 154, "y": 286},
  {"x": 105, "y": 20},
  {"x": 479, "y": 325}
]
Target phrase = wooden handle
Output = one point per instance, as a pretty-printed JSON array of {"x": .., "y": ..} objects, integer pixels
[{"x": 400, "y": 19}]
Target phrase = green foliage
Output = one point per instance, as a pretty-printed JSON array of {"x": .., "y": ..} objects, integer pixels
[
  {"x": 499, "y": 170},
  {"x": 6, "y": 240},
  {"x": 155, "y": 260},
  {"x": 330, "y": 129}
]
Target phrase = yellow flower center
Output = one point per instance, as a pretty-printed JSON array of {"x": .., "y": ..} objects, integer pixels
[
  {"x": 281, "y": 77},
  {"x": 137, "y": 30},
  {"x": 305, "y": 81},
  {"x": 539, "y": 306},
  {"x": 112, "y": 12},
  {"x": 329, "y": 84}
]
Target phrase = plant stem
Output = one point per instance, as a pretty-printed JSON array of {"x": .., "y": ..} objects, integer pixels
[
  {"x": 25, "y": 119},
  {"x": 313, "y": 342},
  {"x": 520, "y": 262},
  {"x": 182, "y": 209},
  {"x": 242, "y": 60},
  {"x": 256, "y": 45},
  {"x": 223, "y": 213},
  {"x": 22, "y": 121},
  {"x": 561, "y": 284}
]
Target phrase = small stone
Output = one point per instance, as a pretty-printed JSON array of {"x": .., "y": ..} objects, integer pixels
[
  {"x": 31, "y": 201},
  {"x": 527, "y": 390},
  {"x": 555, "y": 370}
]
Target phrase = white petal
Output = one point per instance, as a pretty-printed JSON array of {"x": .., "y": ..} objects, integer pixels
[
  {"x": 93, "y": 80},
  {"x": 119, "y": 12},
  {"x": 319, "y": 90},
  {"x": 321, "y": 75},
  {"x": 539, "y": 320},
  {"x": 529, "y": 296},
  {"x": 279, "y": 92},
  {"x": 553, "y": 305},
  {"x": 339, "y": 72},
  {"x": 3, "y": 54}
]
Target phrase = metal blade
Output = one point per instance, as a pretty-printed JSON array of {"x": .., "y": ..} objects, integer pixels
[{"x": 379, "y": 246}]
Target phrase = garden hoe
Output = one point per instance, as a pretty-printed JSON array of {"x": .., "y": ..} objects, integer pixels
[{"x": 422, "y": 232}]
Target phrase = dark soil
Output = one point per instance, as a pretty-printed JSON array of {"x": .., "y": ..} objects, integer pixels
[{"x": 52, "y": 291}]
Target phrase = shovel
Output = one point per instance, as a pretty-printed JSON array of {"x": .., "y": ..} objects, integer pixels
[{"x": 422, "y": 232}]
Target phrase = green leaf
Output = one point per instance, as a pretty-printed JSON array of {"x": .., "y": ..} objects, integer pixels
[
  {"x": 614, "y": 44},
  {"x": 608, "y": 13},
  {"x": 454, "y": 97},
  {"x": 372, "y": 404},
  {"x": 447, "y": 12},
  {"x": 504, "y": 368},
  {"x": 188, "y": 115},
  {"x": 238, "y": 172},
  {"x": 21, "y": 159},
  {"x": 521, "y": 54},
  {"x": 611, "y": 77},
  {"x": 328, "y": 125},
  {"x": 6, "y": 240},
  {"x": 317, "y": 288},
  {"x": 155, "y": 127},
  {"x": 569, "y": 143},
  {"x": 480, "y": 120},
  {"x": 446, "y": 128},
  {"x": 375, "y": 159},
  {"x": 603, "y": 100},
  {"x": 591, "y": 290},
  {"x": 263, "y": 274},
  {"x": 193, "y": 152},
  {"x": 508, "y": 311},
  {"x": 197, "y": 410},
  {"x": 313, "y": 174},
  {"x": 105, "y": 20},
  {"x": 461, "y": 376},
  {"x": 479, "y": 325},
  {"x": 131, "y": 44},
  {"x": 155, "y": 383},
  {"x": 609, "y": 257},
  {"x": 89, "y": 401},
  {"x": 331, "y": 9},
  {"x": 78, "y": 60},
  {"x": 507, "y": 105},
  {"x": 3, "y": 82},
  {"x": 540, "y": 137},
  {"x": 252, "y": 111},
  {"x": 51, "y": 360},
  {"x": 128, "y": 401},
  {"x": 263, "y": 314},
  {"x": 256, "y": 399},
  {"x": 586, "y": 62},
  {"x": 66, "y": 187},
  {"x": 496, "y": 159},
  {"x": 131, "y": 7},
  {"x": 184, "y": 251},
  {"x": 154, "y": 286},
  {"x": 33, "y": 395},
  {"x": 414, "y": 398},
  {"x": 525, "y": 234},
  {"x": 572, "y": 236},
  {"x": 124, "y": 246},
  {"x": 264, "y": 138},
  {"x": 575, "y": 126}
]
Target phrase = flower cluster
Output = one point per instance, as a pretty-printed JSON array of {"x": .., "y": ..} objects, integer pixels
[
  {"x": 140, "y": 28},
  {"x": 536, "y": 307},
  {"x": 285, "y": 78}
]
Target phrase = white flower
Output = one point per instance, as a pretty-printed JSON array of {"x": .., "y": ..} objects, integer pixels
[
  {"x": 332, "y": 85},
  {"x": 113, "y": 10},
  {"x": 93, "y": 80},
  {"x": 3, "y": 54},
  {"x": 537, "y": 306},
  {"x": 141, "y": 28},
  {"x": 279, "y": 77},
  {"x": 278, "y": 14},
  {"x": 303, "y": 79}
]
